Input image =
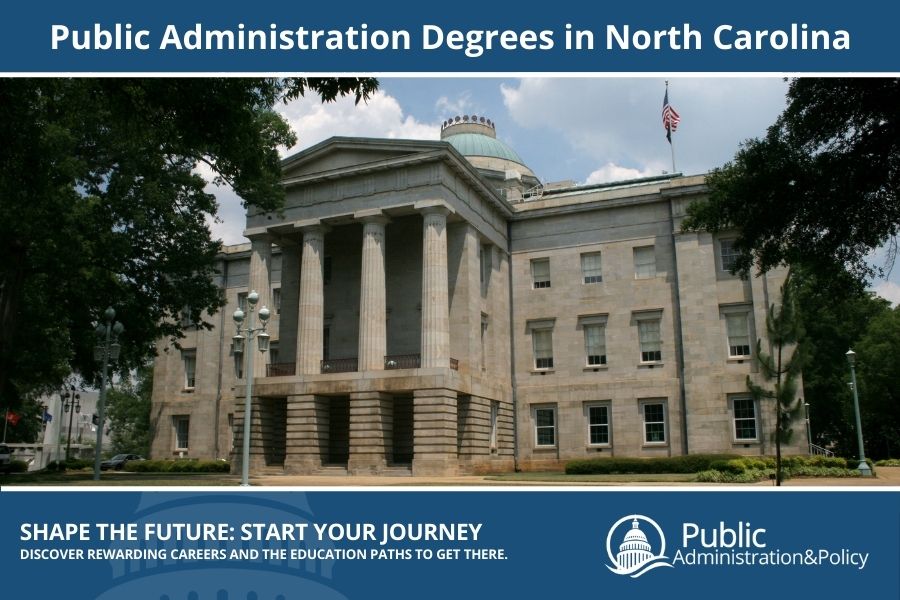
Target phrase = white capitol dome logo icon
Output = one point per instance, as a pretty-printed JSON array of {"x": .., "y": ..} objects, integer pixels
[{"x": 635, "y": 556}]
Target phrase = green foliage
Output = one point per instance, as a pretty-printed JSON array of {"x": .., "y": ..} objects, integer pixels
[
  {"x": 878, "y": 377},
  {"x": 128, "y": 411},
  {"x": 888, "y": 462},
  {"x": 28, "y": 428},
  {"x": 17, "y": 466},
  {"x": 832, "y": 323},
  {"x": 745, "y": 476},
  {"x": 822, "y": 188},
  {"x": 750, "y": 469},
  {"x": 691, "y": 463},
  {"x": 103, "y": 205},
  {"x": 178, "y": 466}
]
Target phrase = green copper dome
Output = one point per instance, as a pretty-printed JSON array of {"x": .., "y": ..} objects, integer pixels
[{"x": 476, "y": 144}]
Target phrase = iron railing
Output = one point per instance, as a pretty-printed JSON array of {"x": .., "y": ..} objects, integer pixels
[
  {"x": 340, "y": 365},
  {"x": 819, "y": 450},
  {"x": 281, "y": 369},
  {"x": 403, "y": 361}
]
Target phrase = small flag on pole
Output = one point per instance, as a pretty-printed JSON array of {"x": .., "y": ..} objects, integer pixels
[
  {"x": 47, "y": 417},
  {"x": 12, "y": 418},
  {"x": 670, "y": 118}
]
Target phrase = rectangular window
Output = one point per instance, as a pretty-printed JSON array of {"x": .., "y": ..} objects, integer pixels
[
  {"x": 276, "y": 301},
  {"x": 189, "y": 357},
  {"x": 545, "y": 426},
  {"x": 651, "y": 346},
  {"x": 542, "y": 339},
  {"x": 230, "y": 432},
  {"x": 495, "y": 414},
  {"x": 595, "y": 344},
  {"x": 484, "y": 330},
  {"x": 645, "y": 262},
  {"x": 738, "y": 328},
  {"x": 654, "y": 422},
  {"x": 591, "y": 270},
  {"x": 598, "y": 425},
  {"x": 484, "y": 255},
  {"x": 744, "y": 419},
  {"x": 326, "y": 343},
  {"x": 182, "y": 426},
  {"x": 540, "y": 272},
  {"x": 242, "y": 302},
  {"x": 273, "y": 353},
  {"x": 727, "y": 254}
]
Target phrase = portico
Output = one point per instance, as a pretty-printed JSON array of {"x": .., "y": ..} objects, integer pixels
[{"x": 366, "y": 379}]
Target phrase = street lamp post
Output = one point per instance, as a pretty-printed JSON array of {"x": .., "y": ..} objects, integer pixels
[
  {"x": 863, "y": 467},
  {"x": 263, "y": 340},
  {"x": 107, "y": 350},
  {"x": 71, "y": 401}
]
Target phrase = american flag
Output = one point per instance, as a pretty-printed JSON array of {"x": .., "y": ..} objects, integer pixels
[{"x": 670, "y": 118}]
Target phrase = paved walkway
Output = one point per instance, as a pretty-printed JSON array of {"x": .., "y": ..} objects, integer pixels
[{"x": 887, "y": 476}]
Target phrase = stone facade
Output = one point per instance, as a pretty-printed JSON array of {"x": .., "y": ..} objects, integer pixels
[{"x": 435, "y": 313}]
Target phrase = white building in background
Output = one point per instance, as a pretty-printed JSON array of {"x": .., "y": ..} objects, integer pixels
[{"x": 437, "y": 310}]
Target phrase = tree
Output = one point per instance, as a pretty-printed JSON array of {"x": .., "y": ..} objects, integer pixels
[
  {"x": 128, "y": 410},
  {"x": 783, "y": 366},
  {"x": 878, "y": 358},
  {"x": 101, "y": 204},
  {"x": 831, "y": 324},
  {"x": 822, "y": 187}
]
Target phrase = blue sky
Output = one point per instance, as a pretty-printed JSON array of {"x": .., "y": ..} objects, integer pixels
[{"x": 582, "y": 129}]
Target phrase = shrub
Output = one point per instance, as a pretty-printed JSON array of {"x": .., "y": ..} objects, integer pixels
[
  {"x": 888, "y": 462},
  {"x": 746, "y": 476},
  {"x": 178, "y": 466},
  {"x": 78, "y": 463},
  {"x": 56, "y": 465},
  {"x": 691, "y": 463},
  {"x": 17, "y": 466}
]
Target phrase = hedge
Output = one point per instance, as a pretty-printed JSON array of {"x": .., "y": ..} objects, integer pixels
[
  {"x": 178, "y": 466},
  {"x": 888, "y": 462},
  {"x": 692, "y": 463},
  {"x": 73, "y": 464},
  {"x": 17, "y": 466}
]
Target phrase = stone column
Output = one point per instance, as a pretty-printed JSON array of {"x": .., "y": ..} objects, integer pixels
[
  {"x": 260, "y": 280},
  {"x": 312, "y": 302},
  {"x": 371, "y": 432},
  {"x": 435, "y": 301},
  {"x": 306, "y": 433},
  {"x": 372, "y": 302},
  {"x": 434, "y": 434}
]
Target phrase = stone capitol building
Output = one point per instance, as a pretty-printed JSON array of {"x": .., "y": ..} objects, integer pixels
[{"x": 437, "y": 310}]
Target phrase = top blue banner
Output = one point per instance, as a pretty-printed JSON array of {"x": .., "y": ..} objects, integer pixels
[{"x": 460, "y": 37}]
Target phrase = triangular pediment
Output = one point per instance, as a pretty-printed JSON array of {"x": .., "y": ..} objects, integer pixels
[{"x": 340, "y": 153}]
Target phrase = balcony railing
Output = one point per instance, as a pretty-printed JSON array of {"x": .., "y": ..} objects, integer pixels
[
  {"x": 281, "y": 369},
  {"x": 403, "y": 361},
  {"x": 340, "y": 365}
]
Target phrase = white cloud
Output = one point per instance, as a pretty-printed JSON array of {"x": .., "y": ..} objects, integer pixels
[
  {"x": 380, "y": 117},
  {"x": 313, "y": 121},
  {"x": 613, "y": 172},
  {"x": 461, "y": 105},
  {"x": 888, "y": 290},
  {"x": 619, "y": 120}
]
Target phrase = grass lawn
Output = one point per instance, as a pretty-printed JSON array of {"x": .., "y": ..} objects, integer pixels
[
  {"x": 560, "y": 477},
  {"x": 86, "y": 478}
]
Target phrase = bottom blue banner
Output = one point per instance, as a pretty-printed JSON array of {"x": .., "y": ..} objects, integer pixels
[{"x": 284, "y": 545}]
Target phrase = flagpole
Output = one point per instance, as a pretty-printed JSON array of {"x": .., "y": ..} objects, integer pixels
[{"x": 671, "y": 141}]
